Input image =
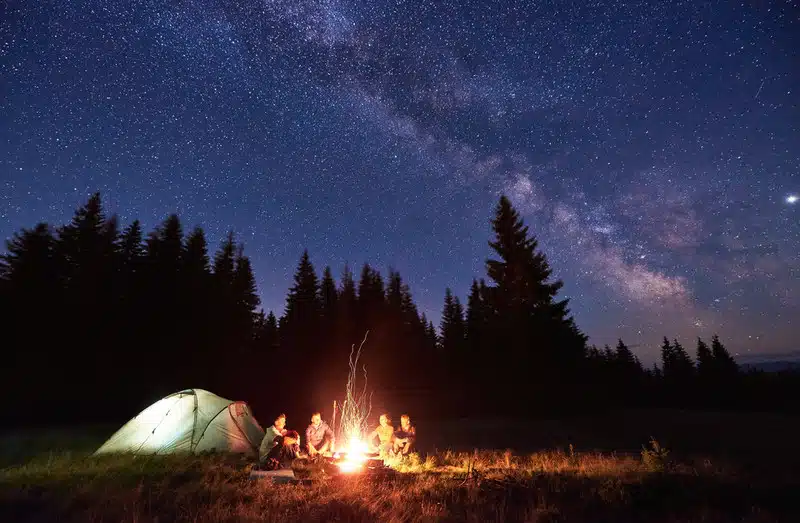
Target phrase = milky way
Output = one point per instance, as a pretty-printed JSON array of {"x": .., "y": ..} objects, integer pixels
[{"x": 654, "y": 150}]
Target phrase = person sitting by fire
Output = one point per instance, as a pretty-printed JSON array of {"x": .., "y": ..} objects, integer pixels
[
  {"x": 319, "y": 437},
  {"x": 274, "y": 431},
  {"x": 284, "y": 453},
  {"x": 385, "y": 434},
  {"x": 404, "y": 436}
]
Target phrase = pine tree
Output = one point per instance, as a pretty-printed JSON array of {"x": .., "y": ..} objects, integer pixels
[
  {"x": 667, "y": 357},
  {"x": 683, "y": 362},
  {"x": 430, "y": 334},
  {"x": 452, "y": 327},
  {"x": 394, "y": 292},
  {"x": 88, "y": 270},
  {"x": 626, "y": 358},
  {"x": 165, "y": 313},
  {"x": 522, "y": 274},
  {"x": 165, "y": 249},
  {"x": 87, "y": 249},
  {"x": 131, "y": 249},
  {"x": 196, "y": 262},
  {"x": 223, "y": 302},
  {"x": 34, "y": 357},
  {"x": 371, "y": 298},
  {"x": 30, "y": 257},
  {"x": 724, "y": 364},
  {"x": 536, "y": 329},
  {"x": 347, "y": 292},
  {"x": 271, "y": 329},
  {"x": 246, "y": 297},
  {"x": 266, "y": 336},
  {"x": 477, "y": 325},
  {"x": 225, "y": 261},
  {"x": 303, "y": 303},
  {"x": 198, "y": 295},
  {"x": 705, "y": 363},
  {"x": 329, "y": 297}
]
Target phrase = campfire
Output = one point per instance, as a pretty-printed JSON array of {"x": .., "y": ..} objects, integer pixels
[{"x": 355, "y": 455}]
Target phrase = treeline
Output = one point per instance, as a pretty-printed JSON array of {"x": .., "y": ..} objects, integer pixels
[{"x": 101, "y": 320}]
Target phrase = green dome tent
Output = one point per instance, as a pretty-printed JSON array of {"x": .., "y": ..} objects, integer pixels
[{"x": 192, "y": 421}]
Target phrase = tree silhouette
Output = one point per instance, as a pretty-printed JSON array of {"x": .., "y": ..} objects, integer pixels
[
  {"x": 540, "y": 342},
  {"x": 452, "y": 327},
  {"x": 705, "y": 361},
  {"x": 724, "y": 364},
  {"x": 329, "y": 297},
  {"x": 79, "y": 299}
]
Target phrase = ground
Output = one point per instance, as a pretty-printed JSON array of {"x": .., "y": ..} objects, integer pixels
[{"x": 714, "y": 467}]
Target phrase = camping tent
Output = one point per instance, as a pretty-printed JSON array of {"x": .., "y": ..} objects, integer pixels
[{"x": 193, "y": 421}]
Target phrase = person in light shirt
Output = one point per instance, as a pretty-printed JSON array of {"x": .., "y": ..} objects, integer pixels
[
  {"x": 384, "y": 432},
  {"x": 319, "y": 436},
  {"x": 277, "y": 429}
]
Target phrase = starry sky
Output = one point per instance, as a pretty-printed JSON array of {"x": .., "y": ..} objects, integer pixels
[{"x": 653, "y": 148}]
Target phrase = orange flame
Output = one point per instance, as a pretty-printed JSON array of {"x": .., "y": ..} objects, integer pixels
[{"x": 354, "y": 457}]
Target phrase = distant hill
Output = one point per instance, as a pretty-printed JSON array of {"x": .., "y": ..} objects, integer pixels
[
  {"x": 771, "y": 366},
  {"x": 771, "y": 362}
]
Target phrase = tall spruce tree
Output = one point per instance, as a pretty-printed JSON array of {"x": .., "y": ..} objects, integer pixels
[
  {"x": 724, "y": 365},
  {"x": 329, "y": 298},
  {"x": 35, "y": 359},
  {"x": 705, "y": 363},
  {"x": 684, "y": 365},
  {"x": 538, "y": 340},
  {"x": 475, "y": 321},
  {"x": 197, "y": 290},
  {"x": 329, "y": 295},
  {"x": 667, "y": 357},
  {"x": 452, "y": 327},
  {"x": 196, "y": 262},
  {"x": 225, "y": 261},
  {"x": 246, "y": 299},
  {"x": 87, "y": 247},
  {"x": 625, "y": 357},
  {"x": 303, "y": 305},
  {"x": 165, "y": 313}
]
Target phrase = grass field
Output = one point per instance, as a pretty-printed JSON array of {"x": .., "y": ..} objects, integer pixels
[{"x": 55, "y": 479}]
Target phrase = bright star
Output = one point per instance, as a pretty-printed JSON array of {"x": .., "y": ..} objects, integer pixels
[{"x": 792, "y": 198}]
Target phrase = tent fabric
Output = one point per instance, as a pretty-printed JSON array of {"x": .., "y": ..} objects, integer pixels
[{"x": 193, "y": 421}]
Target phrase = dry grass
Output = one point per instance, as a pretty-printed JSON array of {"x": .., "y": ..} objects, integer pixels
[{"x": 446, "y": 486}]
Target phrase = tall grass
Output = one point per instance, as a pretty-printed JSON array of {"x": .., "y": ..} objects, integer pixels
[{"x": 442, "y": 486}]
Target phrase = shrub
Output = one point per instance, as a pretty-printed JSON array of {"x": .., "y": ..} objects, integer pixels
[{"x": 654, "y": 459}]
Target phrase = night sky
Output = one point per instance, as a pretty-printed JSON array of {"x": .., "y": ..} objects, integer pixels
[{"x": 654, "y": 150}]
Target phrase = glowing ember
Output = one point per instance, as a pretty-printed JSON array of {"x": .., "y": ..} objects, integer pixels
[{"x": 352, "y": 459}]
